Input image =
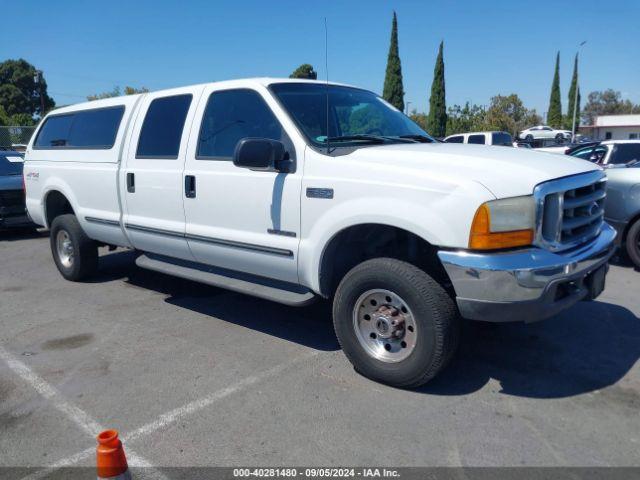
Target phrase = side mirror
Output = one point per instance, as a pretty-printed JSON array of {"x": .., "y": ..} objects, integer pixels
[{"x": 261, "y": 154}]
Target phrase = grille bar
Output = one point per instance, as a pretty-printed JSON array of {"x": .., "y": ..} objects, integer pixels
[{"x": 570, "y": 210}]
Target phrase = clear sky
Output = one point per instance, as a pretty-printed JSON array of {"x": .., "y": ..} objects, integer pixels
[{"x": 504, "y": 47}]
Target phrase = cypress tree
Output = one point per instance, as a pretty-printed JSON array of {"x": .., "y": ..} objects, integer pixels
[
  {"x": 554, "y": 115},
  {"x": 568, "y": 124},
  {"x": 393, "y": 91},
  {"x": 437, "y": 119}
]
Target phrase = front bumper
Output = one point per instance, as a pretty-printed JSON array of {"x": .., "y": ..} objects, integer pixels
[{"x": 524, "y": 285}]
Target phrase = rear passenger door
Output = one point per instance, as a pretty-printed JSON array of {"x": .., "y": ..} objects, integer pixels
[
  {"x": 237, "y": 218},
  {"x": 151, "y": 180}
]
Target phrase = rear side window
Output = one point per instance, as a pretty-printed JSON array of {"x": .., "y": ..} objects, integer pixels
[
  {"x": 501, "y": 138},
  {"x": 232, "y": 115},
  {"x": 625, "y": 153},
  {"x": 479, "y": 139},
  {"x": 85, "y": 129},
  {"x": 456, "y": 139},
  {"x": 162, "y": 128}
]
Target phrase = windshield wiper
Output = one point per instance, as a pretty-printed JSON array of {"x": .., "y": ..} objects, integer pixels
[
  {"x": 365, "y": 137},
  {"x": 419, "y": 138}
]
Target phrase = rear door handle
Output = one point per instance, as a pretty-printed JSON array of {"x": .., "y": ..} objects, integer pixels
[
  {"x": 190, "y": 186},
  {"x": 131, "y": 183}
]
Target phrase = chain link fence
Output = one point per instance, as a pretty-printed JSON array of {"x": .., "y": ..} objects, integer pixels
[{"x": 10, "y": 137}]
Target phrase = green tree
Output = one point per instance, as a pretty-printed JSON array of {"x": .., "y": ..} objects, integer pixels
[
  {"x": 305, "y": 71},
  {"x": 606, "y": 102},
  {"x": 437, "y": 120},
  {"x": 554, "y": 114},
  {"x": 470, "y": 118},
  {"x": 568, "y": 120},
  {"x": 393, "y": 91},
  {"x": 19, "y": 90},
  {"x": 116, "y": 92},
  {"x": 507, "y": 113}
]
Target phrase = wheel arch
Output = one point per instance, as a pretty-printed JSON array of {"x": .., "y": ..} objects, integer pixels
[{"x": 359, "y": 242}]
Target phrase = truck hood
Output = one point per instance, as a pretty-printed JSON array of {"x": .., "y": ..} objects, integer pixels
[{"x": 504, "y": 171}]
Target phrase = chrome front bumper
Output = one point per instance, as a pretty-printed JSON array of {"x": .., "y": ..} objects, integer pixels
[{"x": 524, "y": 285}]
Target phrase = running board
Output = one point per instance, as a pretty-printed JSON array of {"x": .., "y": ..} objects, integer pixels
[{"x": 260, "y": 287}]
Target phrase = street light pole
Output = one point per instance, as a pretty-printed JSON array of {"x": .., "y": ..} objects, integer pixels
[
  {"x": 37, "y": 78},
  {"x": 407, "y": 108},
  {"x": 575, "y": 99}
]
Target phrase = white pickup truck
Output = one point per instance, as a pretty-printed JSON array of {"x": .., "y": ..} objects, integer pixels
[{"x": 292, "y": 190}]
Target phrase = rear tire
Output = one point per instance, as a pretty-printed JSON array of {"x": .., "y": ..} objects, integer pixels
[
  {"x": 632, "y": 242},
  {"x": 427, "y": 324},
  {"x": 75, "y": 254}
]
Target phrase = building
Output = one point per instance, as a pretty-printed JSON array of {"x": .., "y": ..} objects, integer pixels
[{"x": 613, "y": 127}]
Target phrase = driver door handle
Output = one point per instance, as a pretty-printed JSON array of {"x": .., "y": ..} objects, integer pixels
[{"x": 190, "y": 186}]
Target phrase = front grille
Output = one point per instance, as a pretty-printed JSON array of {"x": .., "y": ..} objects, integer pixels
[
  {"x": 570, "y": 210},
  {"x": 11, "y": 198}
]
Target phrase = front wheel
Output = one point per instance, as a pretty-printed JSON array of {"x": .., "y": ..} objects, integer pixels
[
  {"x": 395, "y": 323},
  {"x": 75, "y": 254},
  {"x": 632, "y": 242}
]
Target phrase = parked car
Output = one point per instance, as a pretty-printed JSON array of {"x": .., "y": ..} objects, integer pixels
[
  {"x": 482, "y": 138},
  {"x": 13, "y": 212},
  {"x": 622, "y": 208},
  {"x": 292, "y": 190},
  {"x": 609, "y": 153},
  {"x": 543, "y": 131}
]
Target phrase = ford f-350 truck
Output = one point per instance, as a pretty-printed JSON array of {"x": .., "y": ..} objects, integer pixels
[{"x": 291, "y": 190}]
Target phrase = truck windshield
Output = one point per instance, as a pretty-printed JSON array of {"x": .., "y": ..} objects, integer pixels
[{"x": 356, "y": 117}]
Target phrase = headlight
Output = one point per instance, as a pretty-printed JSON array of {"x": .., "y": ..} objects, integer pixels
[{"x": 504, "y": 223}]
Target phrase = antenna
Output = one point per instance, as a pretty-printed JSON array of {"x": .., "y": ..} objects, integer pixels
[{"x": 326, "y": 68}]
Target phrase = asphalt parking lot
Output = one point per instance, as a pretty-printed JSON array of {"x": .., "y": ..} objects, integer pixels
[{"x": 195, "y": 376}]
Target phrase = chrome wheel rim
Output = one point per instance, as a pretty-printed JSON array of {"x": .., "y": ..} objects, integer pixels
[
  {"x": 64, "y": 246},
  {"x": 384, "y": 325}
]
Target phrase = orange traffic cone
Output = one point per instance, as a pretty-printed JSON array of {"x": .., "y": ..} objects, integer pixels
[{"x": 110, "y": 459}]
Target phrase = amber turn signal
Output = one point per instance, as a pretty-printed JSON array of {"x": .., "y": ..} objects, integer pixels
[{"x": 481, "y": 237}]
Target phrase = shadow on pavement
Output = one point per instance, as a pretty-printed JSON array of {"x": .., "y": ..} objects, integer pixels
[
  {"x": 589, "y": 347},
  {"x": 17, "y": 234},
  {"x": 309, "y": 326}
]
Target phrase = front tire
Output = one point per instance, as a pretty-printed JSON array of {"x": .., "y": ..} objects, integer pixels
[
  {"x": 75, "y": 254},
  {"x": 632, "y": 242},
  {"x": 395, "y": 323}
]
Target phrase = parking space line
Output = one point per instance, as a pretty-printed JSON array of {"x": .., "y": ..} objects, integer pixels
[
  {"x": 176, "y": 414},
  {"x": 78, "y": 416},
  {"x": 90, "y": 426}
]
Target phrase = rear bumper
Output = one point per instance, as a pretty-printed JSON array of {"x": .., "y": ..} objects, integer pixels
[
  {"x": 525, "y": 285},
  {"x": 14, "y": 217}
]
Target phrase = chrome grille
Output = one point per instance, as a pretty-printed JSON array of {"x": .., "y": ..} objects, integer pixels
[{"x": 570, "y": 210}]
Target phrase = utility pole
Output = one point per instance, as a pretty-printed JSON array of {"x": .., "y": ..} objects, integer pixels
[
  {"x": 575, "y": 99},
  {"x": 37, "y": 78},
  {"x": 407, "y": 109}
]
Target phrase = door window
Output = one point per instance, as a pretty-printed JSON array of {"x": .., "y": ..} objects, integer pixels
[
  {"x": 625, "y": 153},
  {"x": 230, "y": 116},
  {"x": 162, "y": 128},
  {"x": 456, "y": 139},
  {"x": 479, "y": 139}
]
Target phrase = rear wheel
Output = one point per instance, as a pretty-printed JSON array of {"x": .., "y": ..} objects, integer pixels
[
  {"x": 395, "y": 323},
  {"x": 75, "y": 254},
  {"x": 559, "y": 138},
  {"x": 632, "y": 242}
]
